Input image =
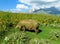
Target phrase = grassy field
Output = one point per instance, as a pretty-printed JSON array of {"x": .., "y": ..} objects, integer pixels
[{"x": 49, "y": 26}]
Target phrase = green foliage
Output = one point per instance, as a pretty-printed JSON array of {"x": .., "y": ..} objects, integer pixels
[
  {"x": 16, "y": 38},
  {"x": 39, "y": 41},
  {"x": 55, "y": 35},
  {"x": 8, "y": 22}
]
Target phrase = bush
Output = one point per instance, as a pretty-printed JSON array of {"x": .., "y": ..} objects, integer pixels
[
  {"x": 55, "y": 34},
  {"x": 16, "y": 38},
  {"x": 39, "y": 41},
  {"x": 2, "y": 30}
]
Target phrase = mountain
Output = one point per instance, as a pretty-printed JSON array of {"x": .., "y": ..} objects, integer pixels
[{"x": 51, "y": 10}]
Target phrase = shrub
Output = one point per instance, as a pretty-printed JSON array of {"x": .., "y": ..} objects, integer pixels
[
  {"x": 16, "y": 38},
  {"x": 2, "y": 29},
  {"x": 55, "y": 34},
  {"x": 39, "y": 41}
]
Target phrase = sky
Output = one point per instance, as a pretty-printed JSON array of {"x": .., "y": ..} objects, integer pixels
[{"x": 27, "y": 5}]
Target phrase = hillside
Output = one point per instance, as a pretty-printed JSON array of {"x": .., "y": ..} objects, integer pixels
[
  {"x": 51, "y": 10},
  {"x": 49, "y": 26}
]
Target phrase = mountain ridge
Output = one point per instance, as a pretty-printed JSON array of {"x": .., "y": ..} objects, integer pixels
[{"x": 51, "y": 10}]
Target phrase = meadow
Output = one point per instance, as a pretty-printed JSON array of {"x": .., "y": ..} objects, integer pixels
[{"x": 49, "y": 26}]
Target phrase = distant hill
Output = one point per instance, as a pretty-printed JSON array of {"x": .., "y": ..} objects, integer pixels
[{"x": 51, "y": 10}]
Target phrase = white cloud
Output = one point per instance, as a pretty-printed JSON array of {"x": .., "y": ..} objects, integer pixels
[
  {"x": 49, "y": 0},
  {"x": 36, "y": 4},
  {"x": 14, "y": 10},
  {"x": 19, "y": 6},
  {"x": 29, "y": 1}
]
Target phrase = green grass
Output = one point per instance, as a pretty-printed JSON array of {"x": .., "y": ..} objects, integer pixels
[
  {"x": 6, "y": 18},
  {"x": 45, "y": 34}
]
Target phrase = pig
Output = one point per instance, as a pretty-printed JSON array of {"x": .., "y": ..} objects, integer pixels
[{"x": 30, "y": 25}]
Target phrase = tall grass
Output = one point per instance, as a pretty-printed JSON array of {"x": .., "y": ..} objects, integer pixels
[{"x": 8, "y": 22}]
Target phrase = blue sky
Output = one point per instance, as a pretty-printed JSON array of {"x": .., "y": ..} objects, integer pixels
[
  {"x": 27, "y": 5},
  {"x": 7, "y": 4}
]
